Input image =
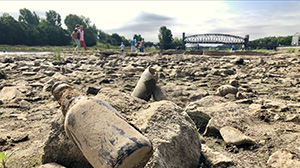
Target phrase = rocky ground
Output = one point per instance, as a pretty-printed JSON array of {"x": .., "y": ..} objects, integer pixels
[{"x": 245, "y": 104}]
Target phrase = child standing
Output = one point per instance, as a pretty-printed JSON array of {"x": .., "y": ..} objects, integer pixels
[{"x": 122, "y": 46}]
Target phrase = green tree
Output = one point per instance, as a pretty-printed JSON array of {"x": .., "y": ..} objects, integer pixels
[
  {"x": 90, "y": 31},
  {"x": 270, "y": 43},
  {"x": 53, "y": 18},
  {"x": 125, "y": 41},
  {"x": 13, "y": 34},
  {"x": 284, "y": 41},
  {"x": 71, "y": 20},
  {"x": 177, "y": 41},
  {"x": 28, "y": 22},
  {"x": 28, "y": 18},
  {"x": 31, "y": 35},
  {"x": 116, "y": 39},
  {"x": 102, "y": 36},
  {"x": 53, "y": 35},
  {"x": 148, "y": 44},
  {"x": 90, "y": 35},
  {"x": 165, "y": 38},
  {"x": 137, "y": 37}
]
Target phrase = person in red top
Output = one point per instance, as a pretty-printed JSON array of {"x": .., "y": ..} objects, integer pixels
[{"x": 82, "y": 37}]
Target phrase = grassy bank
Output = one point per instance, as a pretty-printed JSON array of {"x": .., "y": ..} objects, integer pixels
[{"x": 97, "y": 47}]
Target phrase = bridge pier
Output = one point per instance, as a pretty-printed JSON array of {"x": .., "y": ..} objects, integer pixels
[
  {"x": 246, "y": 43},
  {"x": 183, "y": 42}
]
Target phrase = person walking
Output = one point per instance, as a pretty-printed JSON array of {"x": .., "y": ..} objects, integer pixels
[
  {"x": 142, "y": 43},
  {"x": 198, "y": 46},
  {"x": 232, "y": 48},
  {"x": 133, "y": 43},
  {"x": 82, "y": 37},
  {"x": 76, "y": 37}
]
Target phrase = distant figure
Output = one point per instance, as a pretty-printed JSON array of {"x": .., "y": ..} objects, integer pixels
[
  {"x": 232, "y": 47},
  {"x": 142, "y": 43},
  {"x": 82, "y": 37},
  {"x": 4, "y": 50},
  {"x": 243, "y": 47},
  {"x": 133, "y": 43},
  {"x": 198, "y": 46},
  {"x": 77, "y": 39},
  {"x": 122, "y": 46}
]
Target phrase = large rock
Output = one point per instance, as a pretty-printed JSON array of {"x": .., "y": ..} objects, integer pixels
[
  {"x": 211, "y": 113},
  {"x": 174, "y": 136},
  {"x": 60, "y": 149},
  {"x": 284, "y": 158},
  {"x": 122, "y": 102},
  {"x": 164, "y": 123},
  {"x": 10, "y": 93},
  {"x": 199, "y": 117}
]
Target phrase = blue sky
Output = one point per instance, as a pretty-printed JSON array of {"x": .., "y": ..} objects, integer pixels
[{"x": 257, "y": 18}]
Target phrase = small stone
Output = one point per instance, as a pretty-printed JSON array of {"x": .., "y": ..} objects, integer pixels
[
  {"x": 19, "y": 138},
  {"x": 215, "y": 158},
  {"x": 8, "y": 60},
  {"x": 277, "y": 117},
  {"x": 3, "y": 140},
  {"x": 239, "y": 61},
  {"x": 51, "y": 165},
  {"x": 226, "y": 89},
  {"x": 29, "y": 73},
  {"x": 228, "y": 72},
  {"x": 240, "y": 95},
  {"x": 244, "y": 101},
  {"x": 37, "y": 85},
  {"x": 49, "y": 73},
  {"x": 234, "y": 83},
  {"x": 293, "y": 118},
  {"x": 284, "y": 158},
  {"x": 10, "y": 93},
  {"x": 25, "y": 104},
  {"x": 235, "y": 137},
  {"x": 2, "y": 75},
  {"x": 92, "y": 90}
]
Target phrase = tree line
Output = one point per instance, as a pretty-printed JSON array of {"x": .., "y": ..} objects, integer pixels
[
  {"x": 31, "y": 30},
  {"x": 270, "y": 43}
]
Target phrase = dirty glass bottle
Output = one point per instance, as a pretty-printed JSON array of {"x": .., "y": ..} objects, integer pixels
[
  {"x": 105, "y": 138},
  {"x": 146, "y": 84}
]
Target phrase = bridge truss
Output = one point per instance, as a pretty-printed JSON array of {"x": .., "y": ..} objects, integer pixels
[{"x": 215, "y": 39}]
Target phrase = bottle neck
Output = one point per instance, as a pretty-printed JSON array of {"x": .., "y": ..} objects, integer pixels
[{"x": 64, "y": 94}]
